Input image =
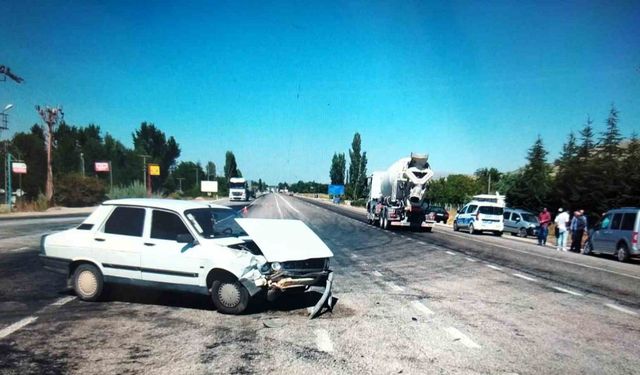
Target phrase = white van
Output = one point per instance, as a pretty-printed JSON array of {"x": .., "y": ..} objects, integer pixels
[{"x": 483, "y": 213}]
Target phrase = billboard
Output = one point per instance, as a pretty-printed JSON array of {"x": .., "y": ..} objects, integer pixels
[
  {"x": 209, "y": 186},
  {"x": 101, "y": 166},
  {"x": 336, "y": 190},
  {"x": 19, "y": 168}
]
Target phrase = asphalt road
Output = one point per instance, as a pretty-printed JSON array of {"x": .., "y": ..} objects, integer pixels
[{"x": 411, "y": 303}]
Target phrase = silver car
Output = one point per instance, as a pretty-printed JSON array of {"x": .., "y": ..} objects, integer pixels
[
  {"x": 520, "y": 222},
  {"x": 616, "y": 233}
]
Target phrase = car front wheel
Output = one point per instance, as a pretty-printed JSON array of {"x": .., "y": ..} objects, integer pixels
[
  {"x": 622, "y": 253},
  {"x": 455, "y": 226},
  {"x": 88, "y": 282},
  {"x": 522, "y": 233},
  {"x": 588, "y": 248},
  {"x": 471, "y": 229},
  {"x": 229, "y": 297}
]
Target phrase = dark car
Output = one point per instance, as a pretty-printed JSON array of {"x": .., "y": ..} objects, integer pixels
[{"x": 439, "y": 213}]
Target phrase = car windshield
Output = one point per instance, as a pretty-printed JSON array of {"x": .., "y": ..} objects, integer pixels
[
  {"x": 530, "y": 218},
  {"x": 236, "y": 185},
  {"x": 215, "y": 222},
  {"x": 490, "y": 210}
]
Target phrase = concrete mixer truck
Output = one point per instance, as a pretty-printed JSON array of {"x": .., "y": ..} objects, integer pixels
[{"x": 396, "y": 196}]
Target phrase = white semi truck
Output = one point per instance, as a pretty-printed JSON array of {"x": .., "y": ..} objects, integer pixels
[
  {"x": 238, "y": 190},
  {"x": 396, "y": 196}
]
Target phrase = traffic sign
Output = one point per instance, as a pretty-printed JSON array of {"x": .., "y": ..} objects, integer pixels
[
  {"x": 19, "y": 168},
  {"x": 102, "y": 166},
  {"x": 154, "y": 170}
]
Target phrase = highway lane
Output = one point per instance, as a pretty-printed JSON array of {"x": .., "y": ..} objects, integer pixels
[{"x": 406, "y": 305}]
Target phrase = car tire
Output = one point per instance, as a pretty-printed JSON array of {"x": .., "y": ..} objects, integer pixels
[
  {"x": 497, "y": 233},
  {"x": 622, "y": 253},
  {"x": 385, "y": 223},
  {"x": 471, "y": 230},
  {"x": 455, "y": 226},
  {"x": 88, "y": 282},
  {"x": 588, "y": 248},
  {"x": 229, "y": 297},
  {"x": 428, "y": 230},
  {"x": 522, "y": 232}
]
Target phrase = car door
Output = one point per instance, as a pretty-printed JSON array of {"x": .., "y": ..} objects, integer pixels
[
  {"x": 118, "y": 242},
  {"x": 163, "y": 258},
  {"x": 508, "y": 227},
  {"x": 598, "y": 237},
  {"x": 460, "y": 216},
  {"x": 611, "y": 237}
]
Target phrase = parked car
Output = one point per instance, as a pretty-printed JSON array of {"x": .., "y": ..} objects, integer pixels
[
  {"x": 616, "y": 233},
  {"x": 520, "y": 222},
  {"x": 439, "y": 214},
  {"x": 483, "y": 213},
  {"x": 188, "y": 246}
]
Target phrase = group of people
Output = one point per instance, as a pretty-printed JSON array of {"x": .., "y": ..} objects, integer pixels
[{"x": 565, "y": 226}]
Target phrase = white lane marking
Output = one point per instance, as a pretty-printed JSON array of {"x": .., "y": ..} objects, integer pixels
[
  {"x": 422, "y": 242},
  {"x": 524, "y": 277},
  {"x": 16, "y": 326},
  {"x": 278, "y": 205},
  {"x": 563, "y": 290},
  {"x": 376, "y": 273},
  {"x": 288, "y": 204},
  {"x": 494, "y": 267},
  {"x": 395, "y": 287},
  {"x": 354, "y": 256},
  {"x": 457, "y": 335},
  {"x": 20, "y": 249},
  {"x": 63, "y": 300},
  {"x": 323, "y": 340},
  {"x": 421, "y": 307},
  {"x": 470, "y": 260},
  {"x": 450, "y": 252},
  {"x": 621, "y": 309}
]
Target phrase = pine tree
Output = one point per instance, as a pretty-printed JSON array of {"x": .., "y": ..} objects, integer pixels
[
  {"x": 631, "y": 182},
  {"x": 532, "y": 189},
  {"x": 355, "y": 157},
  {"x": 586, "y": 135},
  {"x": 607, "y": 173}
]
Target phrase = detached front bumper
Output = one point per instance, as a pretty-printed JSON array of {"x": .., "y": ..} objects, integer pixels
[{"x": 285, "y": 282}]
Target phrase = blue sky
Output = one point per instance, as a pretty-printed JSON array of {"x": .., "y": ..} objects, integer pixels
[{"x": 285, "y": 84}]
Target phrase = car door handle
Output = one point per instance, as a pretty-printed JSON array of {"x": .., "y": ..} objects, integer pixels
[
  {"x": 100, "y": 239},
  {"x": 149, "y": 244}
]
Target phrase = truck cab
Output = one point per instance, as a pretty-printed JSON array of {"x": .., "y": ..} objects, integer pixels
[{"x": 238, "y": 189}]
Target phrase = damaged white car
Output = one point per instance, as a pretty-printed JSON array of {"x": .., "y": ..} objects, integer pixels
[{"x": 189, "y": 246}]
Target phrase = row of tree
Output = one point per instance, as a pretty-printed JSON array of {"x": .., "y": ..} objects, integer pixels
[
  {"x": 356, "y": 178},
  {"x": 596, "y": 171},
  {"x": 75, "y": 149}
]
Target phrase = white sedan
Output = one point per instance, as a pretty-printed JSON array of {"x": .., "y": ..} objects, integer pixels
[{"x": 189, "y": 246}]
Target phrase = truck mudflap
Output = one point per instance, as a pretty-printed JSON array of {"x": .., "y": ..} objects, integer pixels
[{"x": 325, "y": 301}]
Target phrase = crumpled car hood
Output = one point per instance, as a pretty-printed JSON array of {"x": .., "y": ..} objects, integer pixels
[{"x": 285, "y": 240}]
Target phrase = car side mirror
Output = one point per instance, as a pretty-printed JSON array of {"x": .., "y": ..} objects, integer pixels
[{"x": 184, "y": 238}]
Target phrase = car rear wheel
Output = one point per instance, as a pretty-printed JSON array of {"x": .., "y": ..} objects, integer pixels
[
  {"x": 622, "y": 253},
  {"x": 229, "y": 297},
  {"x": 588, "y": 248},
  {"x": 522, "y": 232},
  {"x": 471, "y": 230},
  {"x": 88, "y": 282},
  {"x": 455, "y": 226},
  {"x": 497, "y": 233}
]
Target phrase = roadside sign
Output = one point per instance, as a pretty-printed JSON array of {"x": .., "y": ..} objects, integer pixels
[
  {"x": 154, "y": 170},
  {"x": 209, "y": 186},
  {"x": 336, "y": 189},
  {"x": 19, "y": 168},
  {"x": 102, "y": 166}
]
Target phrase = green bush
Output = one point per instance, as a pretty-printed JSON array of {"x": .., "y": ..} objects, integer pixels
[
  {"x": 74, "y": 190},
  {"x": 359, "y": 202},
  {"x": 135, "y": 190}
]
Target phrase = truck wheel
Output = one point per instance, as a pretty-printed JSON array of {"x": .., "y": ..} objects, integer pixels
[
  {"x": 229, "y": 297},
  {"x": 622, "y": 253},
  {"x": 88, "y": 282}
]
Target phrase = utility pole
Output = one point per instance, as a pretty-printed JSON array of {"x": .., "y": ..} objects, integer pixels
[
  {"x": 82, "y": 163},
  {"x": 4, "y": 125},
  {"x": 52, "y": 117},
  {"x": 144, "y": 169},
  {"x": 489, "y": 185},
  {"x": 180, "y": 183}
]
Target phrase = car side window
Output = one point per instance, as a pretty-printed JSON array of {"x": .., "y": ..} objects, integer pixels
[
  {"x": 628, "y": 221},
  {"x": 166, "y": 226},
  {"x": 126, "y": 221},
  {"x": 506, "y": 215},
  {"x": 615, "y": 223},
  {"x": 463, "y": 210},
  {"x": 516, "y": 217},
  {"x": 605, "y": 222},
  {"x": 471, "y": 209}
]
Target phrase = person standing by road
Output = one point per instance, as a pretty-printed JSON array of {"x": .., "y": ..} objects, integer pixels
[
  {"x": 544, "y": 218},
  {"x": 561, "y": 227},
  {"x": 578, "y": 225}
]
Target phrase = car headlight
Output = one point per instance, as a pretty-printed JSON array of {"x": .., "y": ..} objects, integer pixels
[
  {"x": 276, "y": 266},
  {"x": 265, "y": 268}
]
